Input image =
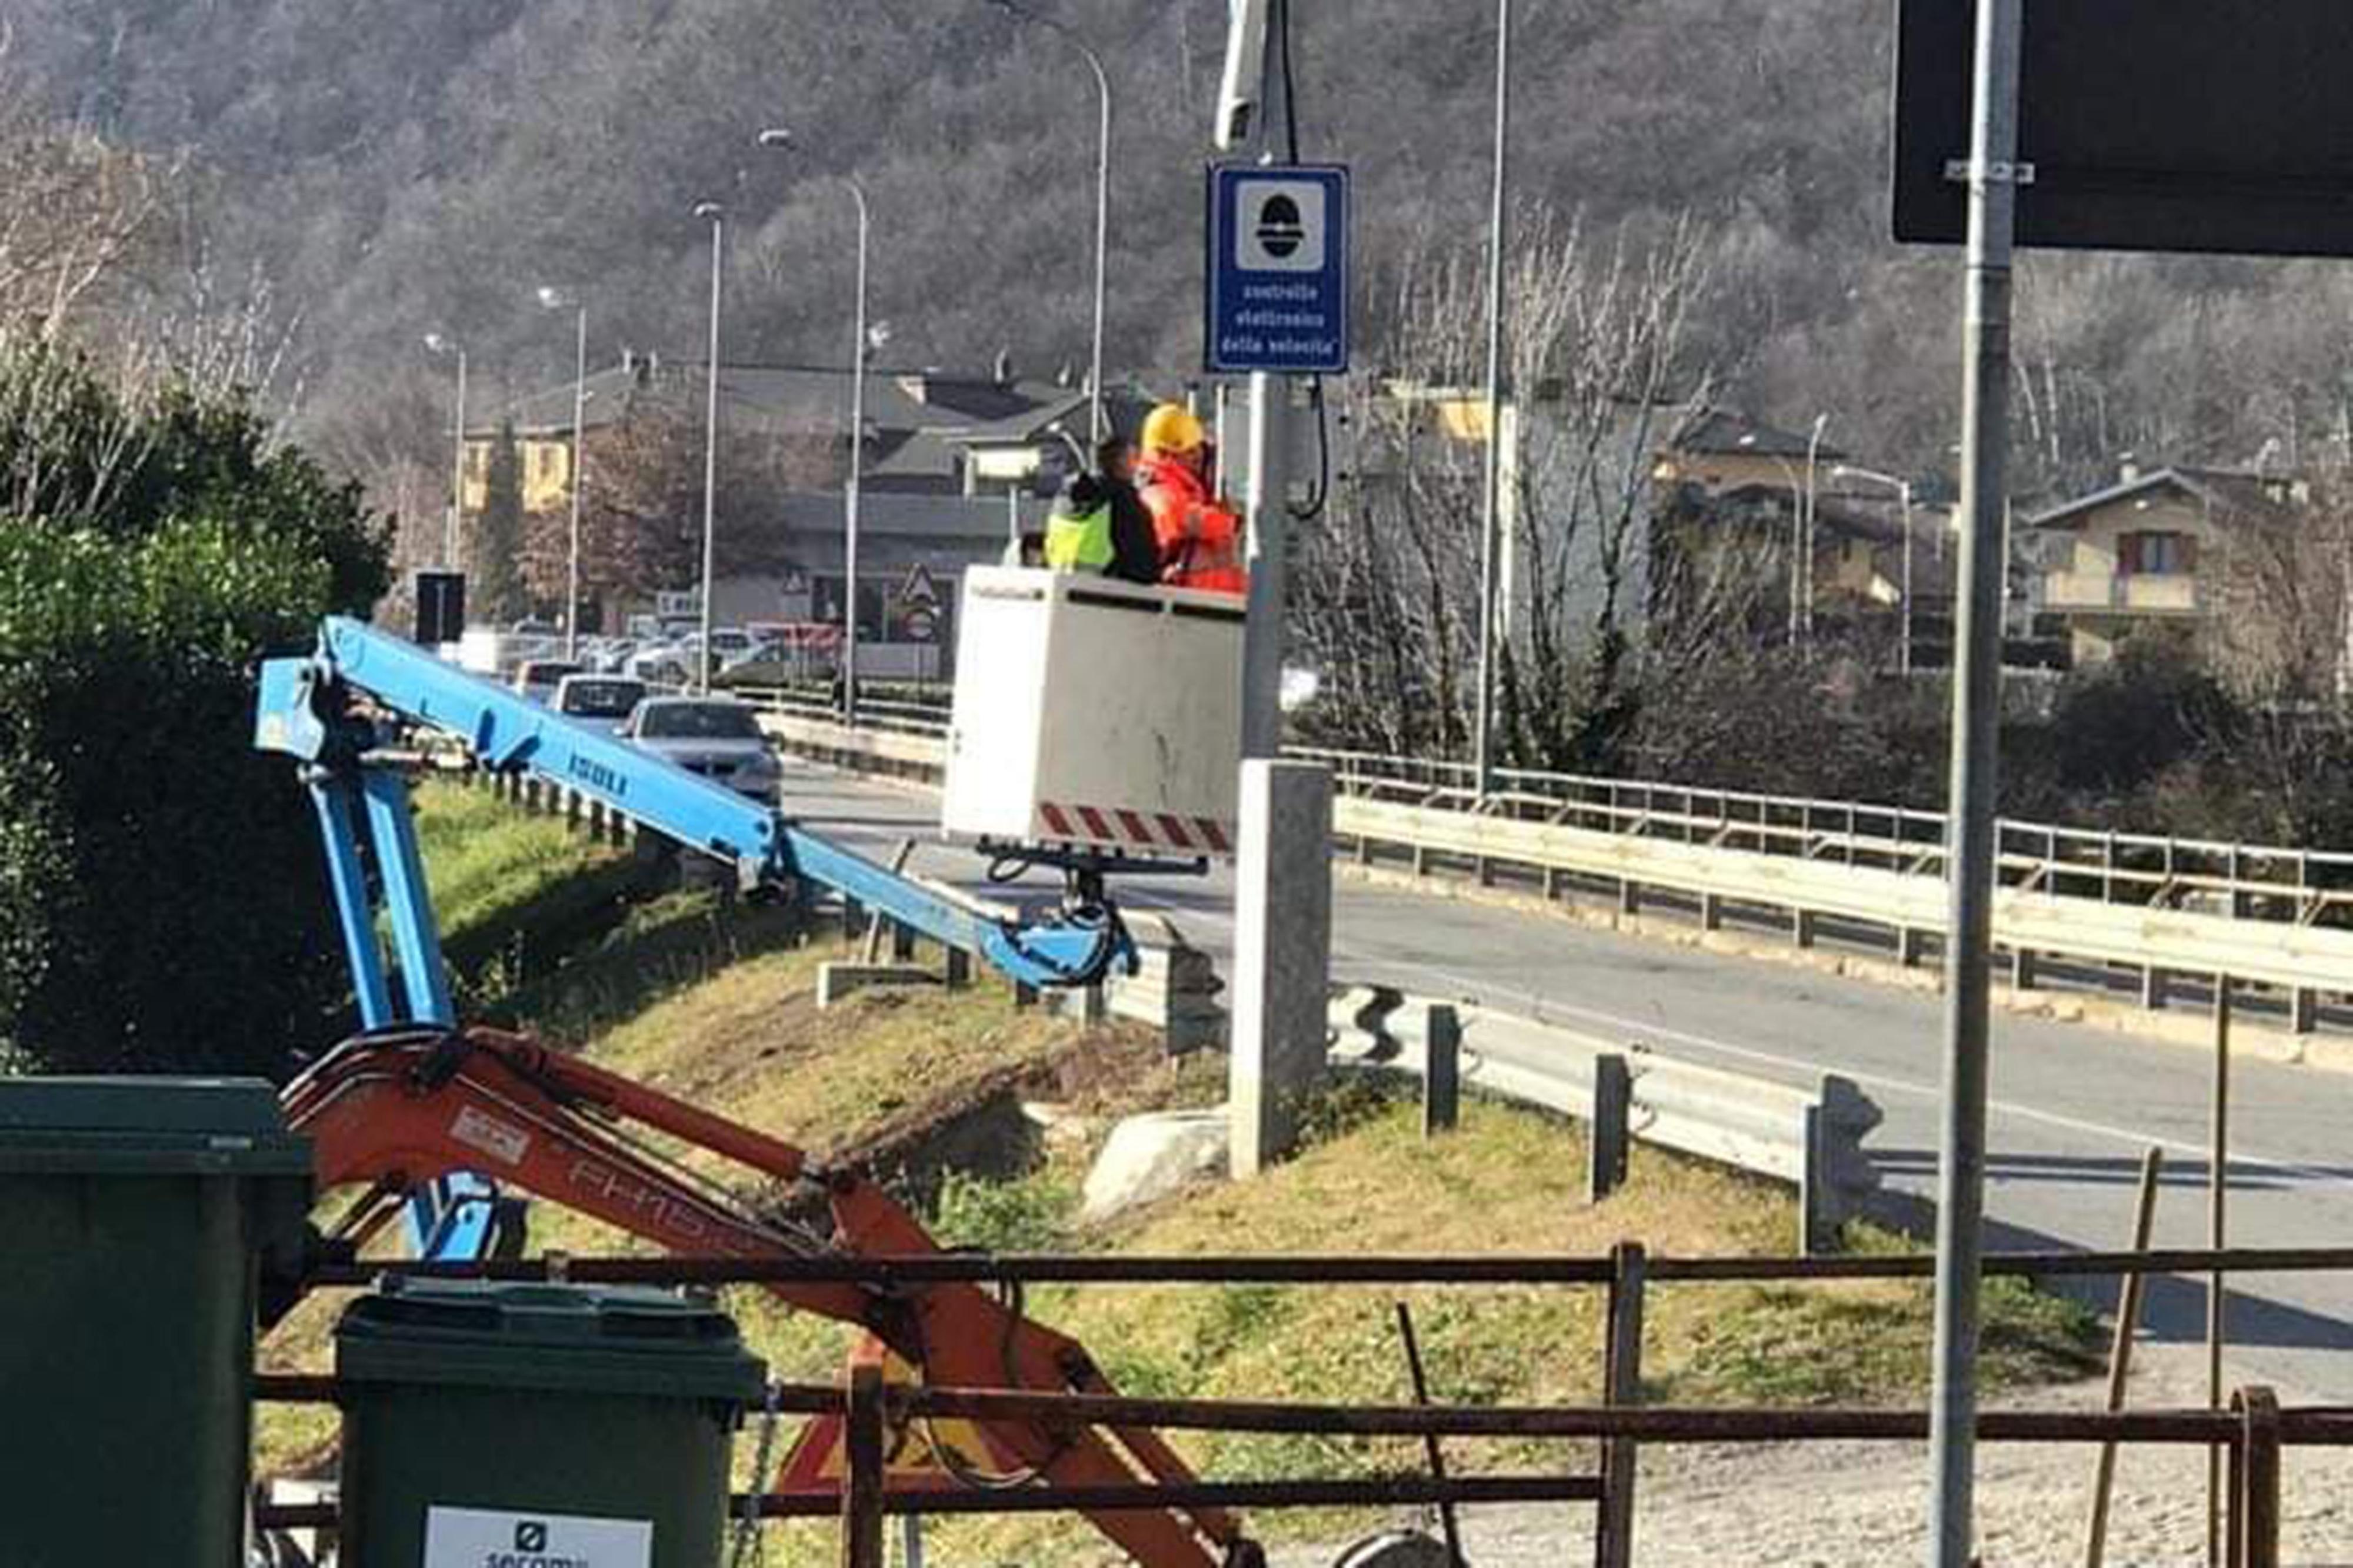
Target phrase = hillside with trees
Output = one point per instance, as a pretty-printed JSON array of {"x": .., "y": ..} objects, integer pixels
[{"x": 384, "y": 169}]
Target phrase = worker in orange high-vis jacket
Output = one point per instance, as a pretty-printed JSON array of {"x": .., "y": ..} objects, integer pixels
[{"x": 1200, "y": 536}]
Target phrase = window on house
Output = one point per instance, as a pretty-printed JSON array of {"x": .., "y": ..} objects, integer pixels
[{"x": 2155, "y": 554}]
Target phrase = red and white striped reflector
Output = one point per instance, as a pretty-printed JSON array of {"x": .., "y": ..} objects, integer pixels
[{"x": 1143, "y": 830}]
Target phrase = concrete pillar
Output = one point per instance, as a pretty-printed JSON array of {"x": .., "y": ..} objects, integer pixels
[
  {"x": 1283, "y": 955},
  {"x": 2023, "y": 972},
  {"x": 1629, "y": 895},
  {"x": 2153, "y": 988},
  {"x": 1911, "y": 946},
  {"x": 2303, "y": 1009},
  {"x": 1711, "y": 912}
]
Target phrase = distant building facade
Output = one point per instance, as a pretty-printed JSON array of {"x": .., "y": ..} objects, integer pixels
[{"x": 2146, "y": 552}]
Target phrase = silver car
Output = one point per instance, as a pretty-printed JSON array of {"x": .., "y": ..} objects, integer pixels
[
  {"x": 602, "y": 702},
  {"x": 714, "y": 736}
]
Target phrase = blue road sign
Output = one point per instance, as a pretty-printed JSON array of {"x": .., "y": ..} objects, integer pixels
[{"x": 1277, "y": 289}]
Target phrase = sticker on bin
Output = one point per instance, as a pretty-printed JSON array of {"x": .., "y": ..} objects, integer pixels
[{"x": 487, "y": 1538}]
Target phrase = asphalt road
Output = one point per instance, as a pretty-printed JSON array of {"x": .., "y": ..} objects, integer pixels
[{"x": 2073, "y": 1108}]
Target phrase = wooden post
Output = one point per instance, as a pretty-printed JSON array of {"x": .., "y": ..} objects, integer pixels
[
  {"x": 2218, "y": 1186},
  {"x": 2103, "y": 1472},
  {"x": 1621, "y": 1384},
  {"x": 1441, "y": 1077},
  {"x": 861, "y": 1487},
  {"x": 1613, "y": 1100},
  {"x": 2256, "y": 1518}
]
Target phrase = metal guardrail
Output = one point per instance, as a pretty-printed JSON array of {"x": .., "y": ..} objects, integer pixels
[
  {"x": 2163, "y": 906},
  {"x": 1809, "y": 1137},
  {"x": 2298, "y": 887}
]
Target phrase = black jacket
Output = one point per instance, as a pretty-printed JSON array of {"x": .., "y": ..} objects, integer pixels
[{"x": 1135, "y": 547}]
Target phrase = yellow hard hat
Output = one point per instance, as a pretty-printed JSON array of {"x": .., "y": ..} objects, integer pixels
[{"x": 1171, "y": 427}]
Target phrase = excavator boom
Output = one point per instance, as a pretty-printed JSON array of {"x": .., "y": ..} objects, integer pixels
[{"x": 398, "y": 1108}]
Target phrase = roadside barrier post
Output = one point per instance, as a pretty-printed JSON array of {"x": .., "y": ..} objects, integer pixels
[
  {"x": 1441, "y": 1093},
  {"x": 1613, "y": 1100}
]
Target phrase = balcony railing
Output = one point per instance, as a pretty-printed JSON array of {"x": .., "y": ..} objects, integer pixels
[{"x": 2149, "y": 592}]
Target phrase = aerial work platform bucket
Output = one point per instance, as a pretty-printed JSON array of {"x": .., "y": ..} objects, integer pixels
[{"x": 1095, "y": 713}]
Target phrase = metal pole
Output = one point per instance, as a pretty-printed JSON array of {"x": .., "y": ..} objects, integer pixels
[
  {"x": 711, "y": 441},
  {"x": 1491, "y": 549},
  {"x": 1976, "y": 692},
  {"x": 857, "y": 476},
  {"x": 2104, "y": 1473},
  {"x": 1904, "y": 647},
  {"x": 579, "y": 482},
  {"x": 1813, "y": 508},
  {"x": 1270, "y": 453},
  {"x": 1095, "y": 421},
  {"x": 1432, "y": 1450},
  {"x": 2218, "y": 1187},
  {"x": 457, "y": 475}
]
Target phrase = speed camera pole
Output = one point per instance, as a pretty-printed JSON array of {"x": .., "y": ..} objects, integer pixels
[
  {"x": 1283, "y": 887},
  {"x": 1993, "y": 177}
]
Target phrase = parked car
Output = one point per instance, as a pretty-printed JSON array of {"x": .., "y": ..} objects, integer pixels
[
  {"x": 717, "y": 737},
  {"x": 660, "y": 664},
  {"x": 538, "y": 678},
  {"x": 602, "y": 702}
]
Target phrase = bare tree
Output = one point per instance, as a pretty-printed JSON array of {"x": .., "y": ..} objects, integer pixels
[
  {"x": 78, "y": 214},
  {"x": 1597, "y": 360}
]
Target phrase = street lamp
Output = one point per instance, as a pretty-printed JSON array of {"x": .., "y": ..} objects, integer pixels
[
  {"x": 716, "y": 215},
  {"x": 1491, "y": 544},
  {"x": 553, "y": 298},
  {"x": 1022, "y": 13},
  {"x": 782, "y": 140},
  {"x": 440, "y": 343},
  {"x": 1813, "y": 506},
  {"x": 1902, "y": 488}
]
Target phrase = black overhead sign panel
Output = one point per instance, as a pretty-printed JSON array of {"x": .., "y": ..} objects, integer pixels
[{"x": 2208, "y": 125}]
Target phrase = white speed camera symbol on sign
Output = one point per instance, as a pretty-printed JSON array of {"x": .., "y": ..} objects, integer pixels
[{"x": 1280, "y": 226}]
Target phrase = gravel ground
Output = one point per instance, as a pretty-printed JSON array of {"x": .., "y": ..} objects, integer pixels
[{"x": 1844, "y": 1505}]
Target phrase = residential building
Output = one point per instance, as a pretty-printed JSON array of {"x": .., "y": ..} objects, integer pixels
[
  {"x": 955, "y": 467},
  {"x": 2145, "y": 551}
]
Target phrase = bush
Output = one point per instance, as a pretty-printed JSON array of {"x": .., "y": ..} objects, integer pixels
[{"x": 162, "y": 905}]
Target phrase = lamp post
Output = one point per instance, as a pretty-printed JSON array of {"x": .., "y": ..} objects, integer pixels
[
  {"x": 1491, "y": 544},
  {"x": 853, "y": 490},
  {"x": 442, "y": 343},
  {"x": 1813, "y": 499},
  {"x": 557, "y": 299},
  {"x": 1902, "y": 488},
  {"x": 716, "y": 215},
  {"x": 1020, "y": 12}
]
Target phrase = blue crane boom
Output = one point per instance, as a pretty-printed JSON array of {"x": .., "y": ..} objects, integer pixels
[{"x": 323, "y": 711}]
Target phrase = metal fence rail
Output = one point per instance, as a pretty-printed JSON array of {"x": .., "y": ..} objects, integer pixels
[{"x": 2253, "y": 1434}]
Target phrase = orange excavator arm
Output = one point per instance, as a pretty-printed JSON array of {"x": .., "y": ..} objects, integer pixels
[{"x": 398, "y": 1108}]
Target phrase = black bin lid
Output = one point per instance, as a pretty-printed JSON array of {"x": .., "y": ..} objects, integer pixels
[
  {"x": 549, "y": 1338},
  {"x": 147, "y": 1126}
]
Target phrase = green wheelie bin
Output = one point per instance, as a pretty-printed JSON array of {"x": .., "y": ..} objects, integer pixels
[
  {"x": 136, "y": 1216},
  {"x": 489, "y": 1426}
]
